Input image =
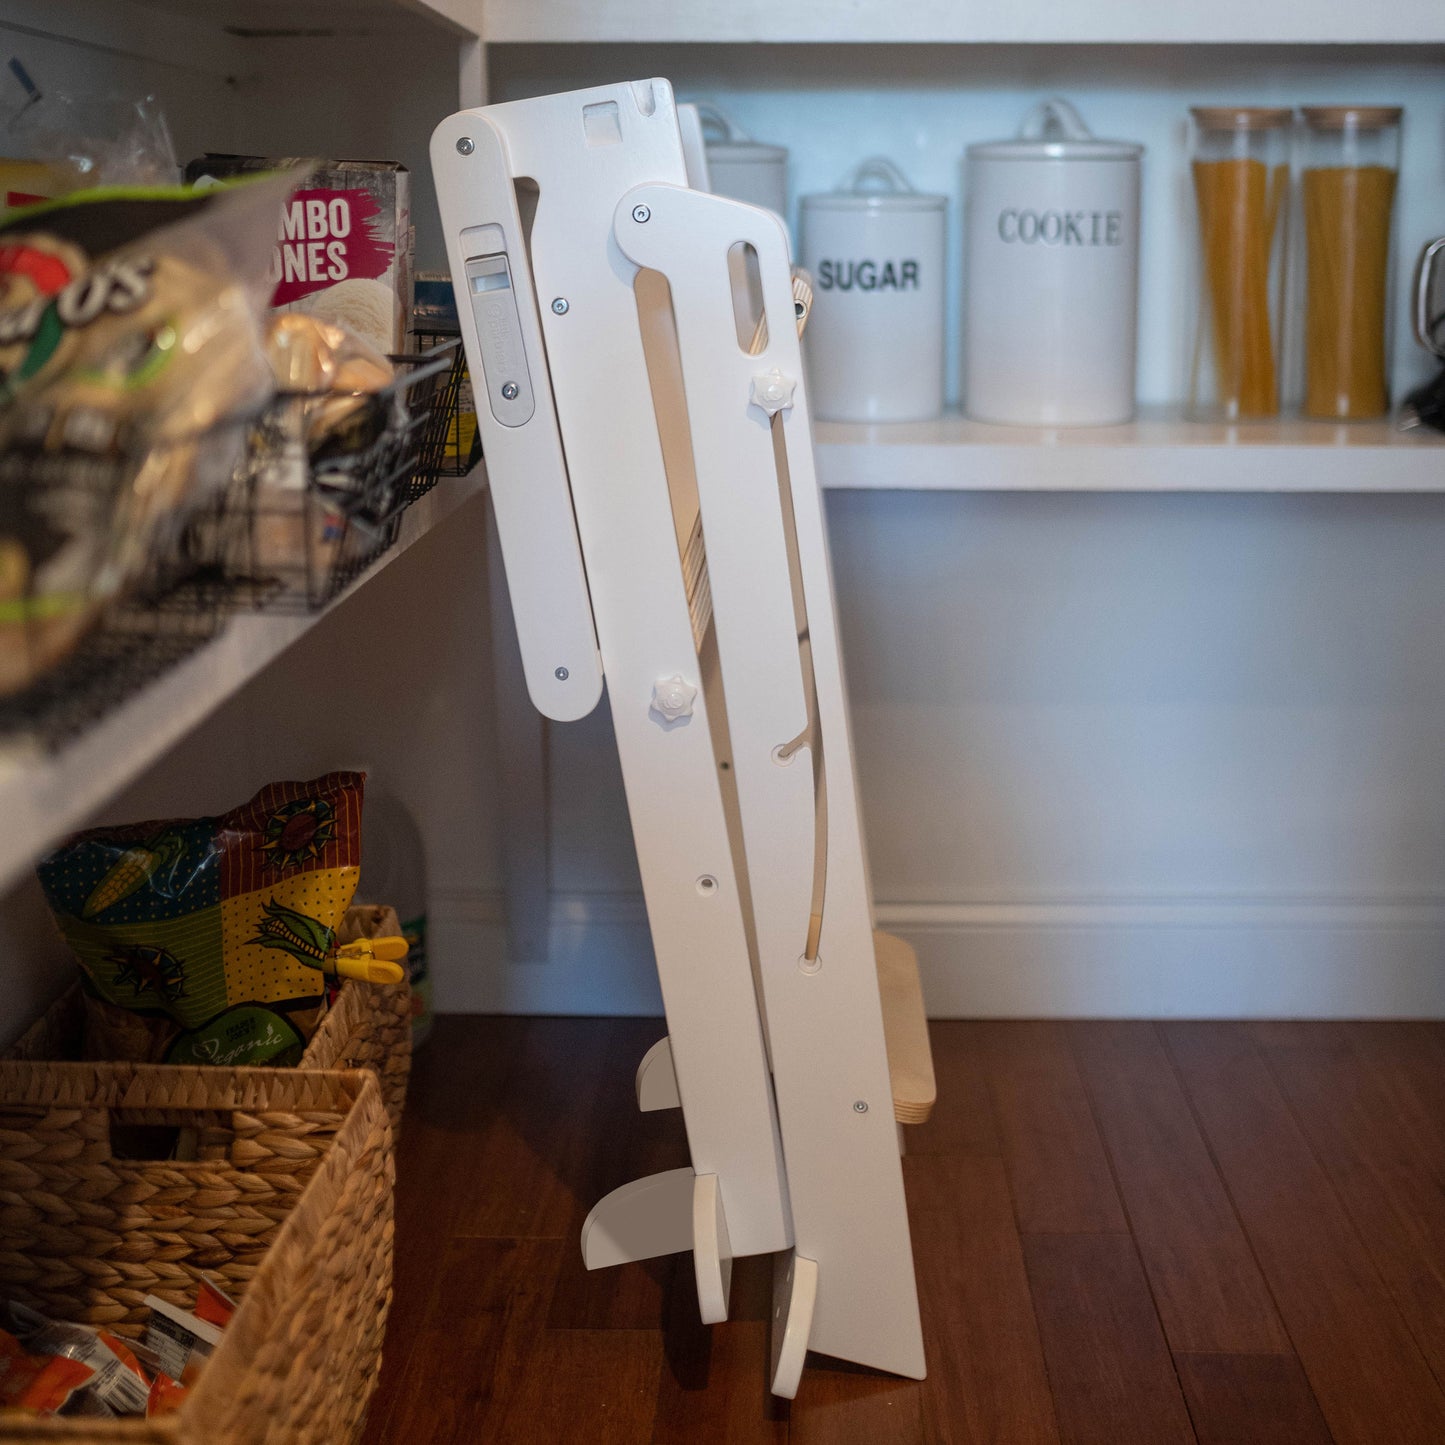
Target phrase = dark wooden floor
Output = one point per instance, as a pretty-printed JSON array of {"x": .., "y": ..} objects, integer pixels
[{"x": 1124, "y": 1233}]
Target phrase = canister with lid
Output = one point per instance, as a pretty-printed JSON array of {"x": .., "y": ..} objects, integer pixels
[
  {"x": 1349, "y": 162},
  {"x": 1051, "y": 274},
  {"x": 874, "y": 344},
  {"x": 1239, "y": 171},
  {"x": 742, "y": 168}
]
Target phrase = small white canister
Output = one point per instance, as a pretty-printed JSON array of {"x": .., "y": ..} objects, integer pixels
[
  {"x": 1051, "y": 274},
  {"x": 742, "y": 168},
  {"x": 874, "y": 342}
]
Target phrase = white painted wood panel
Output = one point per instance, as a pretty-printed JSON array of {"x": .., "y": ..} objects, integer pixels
[{"x": 874, "y": 21}]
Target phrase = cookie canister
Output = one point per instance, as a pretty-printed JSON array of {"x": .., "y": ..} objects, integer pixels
[
  {"x": 1051, "y": 274},
  {"x": 874, "y": 345},
  {"x": 742, "y": 168}
]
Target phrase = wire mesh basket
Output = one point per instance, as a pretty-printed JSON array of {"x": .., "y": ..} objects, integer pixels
[
  {"x": 327, "y": 478},
  {"x": 459, "y": 444},
  {"x": 117, "y": 563}
]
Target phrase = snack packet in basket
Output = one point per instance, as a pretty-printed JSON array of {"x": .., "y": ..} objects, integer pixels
[
  {"x": 113, "y": 1382},
  {"x": 209, "y": 940},
  {"x": 41, "y": 1384}
]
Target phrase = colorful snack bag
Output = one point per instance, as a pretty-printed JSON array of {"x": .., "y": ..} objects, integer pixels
[
  {"x": 43, "y": 1384},
  {"x": 114, "y": 1383},
  {"x": 182, "y": 1341},
  {"x": 208, "y": 940}
]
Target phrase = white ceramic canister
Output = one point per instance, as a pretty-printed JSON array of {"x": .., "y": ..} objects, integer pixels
[
  {"x": 1051, "y": 274},
  {"x": 742, "y": 168},
  {"x": 874, "y": 344}
]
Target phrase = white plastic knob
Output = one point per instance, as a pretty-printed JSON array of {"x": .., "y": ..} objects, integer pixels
[
  {"x": 773, "y": 391},
  {"x": 672, "y": 698}
]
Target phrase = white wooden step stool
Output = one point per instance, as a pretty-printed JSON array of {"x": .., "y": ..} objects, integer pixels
[{"x": 634, "y": 345}]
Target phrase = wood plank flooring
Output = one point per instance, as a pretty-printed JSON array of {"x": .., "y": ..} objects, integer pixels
[{"x": 1126, "y": 1234}]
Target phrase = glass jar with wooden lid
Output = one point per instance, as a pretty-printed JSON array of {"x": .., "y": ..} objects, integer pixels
[
  {"x": 1349, "y": 164},
  {"x": 1240, "y": 166}
]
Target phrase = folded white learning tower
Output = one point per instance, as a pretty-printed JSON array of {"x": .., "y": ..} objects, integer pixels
[{"x": 634, "y": 345}]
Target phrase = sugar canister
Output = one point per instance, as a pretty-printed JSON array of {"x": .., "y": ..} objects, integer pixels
[{"x": 875, "y": 338}]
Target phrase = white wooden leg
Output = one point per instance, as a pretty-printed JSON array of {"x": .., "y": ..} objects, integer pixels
[
  {"x": 657, "y": 1079},
  {"x": 795, "y": 1287},
  {"x": 522, "y": 782},
  {"x": 641, "y": 1220},
  {"x": 666, "y": 1213},
  {"x": 712, "y": 1255}
]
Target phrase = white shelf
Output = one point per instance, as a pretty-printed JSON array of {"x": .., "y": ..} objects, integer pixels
[
  {"x": 1160, "y": 452},
  {"x": 212, "y": 37},
  {"x": 1214, "y": 22},
  {"x": 45, "y": 796}
]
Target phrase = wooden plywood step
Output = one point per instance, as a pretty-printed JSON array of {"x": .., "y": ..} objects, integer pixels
[{"x": 905, "y": 1030}]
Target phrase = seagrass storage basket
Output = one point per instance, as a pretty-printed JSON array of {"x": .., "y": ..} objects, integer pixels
[
  {"x": 288, "y": 1207},
  {"x": 367, "y": 1027}
]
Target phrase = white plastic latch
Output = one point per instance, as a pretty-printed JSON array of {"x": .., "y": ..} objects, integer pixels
[
  {"x": 773, "y": 391},
  {"x": 672, "y": 698}
]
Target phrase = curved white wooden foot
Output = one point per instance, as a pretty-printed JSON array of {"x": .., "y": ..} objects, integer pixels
[
  {"x": 641, "y": 1220},
  {"x": 657, "y": 1079},
  {"x": 795, "y": 1287},
  {"x": 712, "y": 1253}
]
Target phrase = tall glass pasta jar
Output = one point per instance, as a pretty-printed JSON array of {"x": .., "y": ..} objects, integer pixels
[
  {"x": 1240, "y": 170},
  {"x": 1349, "y": 163}
]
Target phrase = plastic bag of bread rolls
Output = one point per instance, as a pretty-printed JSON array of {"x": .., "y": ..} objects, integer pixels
[{"x": 130, "y": 361}]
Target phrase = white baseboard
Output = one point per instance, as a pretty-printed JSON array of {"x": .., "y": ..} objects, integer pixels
[{"x": 1156, "y": 957}]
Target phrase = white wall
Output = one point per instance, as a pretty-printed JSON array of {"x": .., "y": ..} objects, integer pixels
[{"x": 834, "y": 105}]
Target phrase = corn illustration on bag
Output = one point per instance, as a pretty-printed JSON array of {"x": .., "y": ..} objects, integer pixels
[{"x": 210, "y": 940}]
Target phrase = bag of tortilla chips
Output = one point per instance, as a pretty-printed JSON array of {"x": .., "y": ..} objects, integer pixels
[{"x": 210, "y": 940}]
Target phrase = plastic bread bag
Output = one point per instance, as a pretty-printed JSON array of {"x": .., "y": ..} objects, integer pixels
[
  {"x": 131, "y": 361},
  {"x": 211, "y": 940},
  {"x": 91, "y": 140},
  {"x": 327, "y": 409}
]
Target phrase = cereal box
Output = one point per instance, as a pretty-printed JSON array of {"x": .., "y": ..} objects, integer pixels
[{"x": 344, "y": 248}]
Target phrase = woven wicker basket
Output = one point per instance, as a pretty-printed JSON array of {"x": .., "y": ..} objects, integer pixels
[
  {"x": 289, "y": 1208},
  {"x": 368, "y": 1027}
]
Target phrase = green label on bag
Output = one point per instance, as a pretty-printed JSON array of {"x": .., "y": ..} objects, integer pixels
[{"x": 240, "y": 1036}]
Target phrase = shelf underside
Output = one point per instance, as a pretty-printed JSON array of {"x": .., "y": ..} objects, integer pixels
[{"x": 1158, "y": 452}]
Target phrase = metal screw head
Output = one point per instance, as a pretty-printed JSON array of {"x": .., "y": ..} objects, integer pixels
[
  {"x": 560, "y": 306},
  {"x": 860, "y": 1106},
  {"x": 641, "y": 214},
  {"x": 510, "y": 390},
  {"x": 466, "y": 145},
  {"x": 561, "y": 674}
]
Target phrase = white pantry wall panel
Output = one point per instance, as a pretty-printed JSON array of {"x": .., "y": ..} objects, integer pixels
[
  {"x": 834, "y": 105},
  {"x": 1118, "y": 754}
]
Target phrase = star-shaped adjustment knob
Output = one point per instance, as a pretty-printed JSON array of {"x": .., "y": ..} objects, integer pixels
[
  {"x": 672, "y": 698},
  {"x": 772, "y": 391}
]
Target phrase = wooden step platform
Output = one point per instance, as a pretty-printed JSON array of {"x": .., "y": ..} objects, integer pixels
[{"x": 905, "y": 1030}]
